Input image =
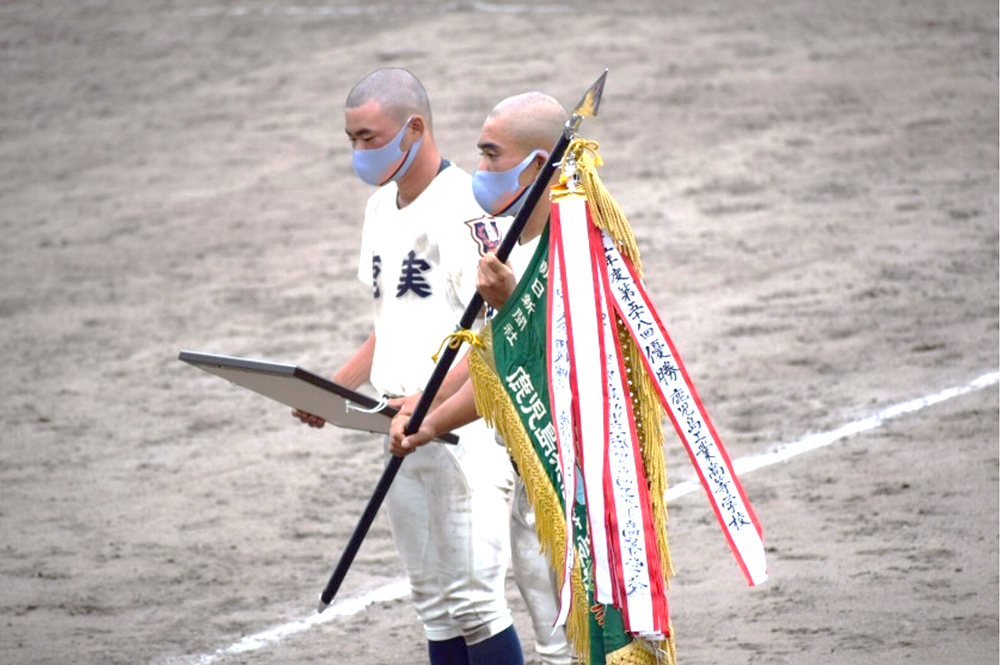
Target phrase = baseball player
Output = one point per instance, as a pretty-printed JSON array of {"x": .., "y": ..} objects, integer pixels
[
  {"x": 514, "y": 144},
  {"x": 422, "y": 237}
]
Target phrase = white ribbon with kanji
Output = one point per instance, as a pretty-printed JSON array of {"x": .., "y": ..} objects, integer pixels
[
  {"x": 594, "y": 424},
  {"x": 690, "y": 420}
]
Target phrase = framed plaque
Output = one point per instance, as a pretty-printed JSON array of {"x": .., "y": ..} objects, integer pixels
[{"x": 300, "y": 389}]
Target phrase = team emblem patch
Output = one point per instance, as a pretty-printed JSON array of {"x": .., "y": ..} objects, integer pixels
[{"x": 486, "y": 234}]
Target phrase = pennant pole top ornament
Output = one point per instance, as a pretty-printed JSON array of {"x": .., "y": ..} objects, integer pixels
[
  {"x": 589, "y": 105},
  {"x": 587, "y": 108}
]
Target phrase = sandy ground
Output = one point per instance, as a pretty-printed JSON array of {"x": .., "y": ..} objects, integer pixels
[{"x": 814, "y": 186}]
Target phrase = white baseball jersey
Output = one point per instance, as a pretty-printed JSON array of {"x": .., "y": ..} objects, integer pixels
[
  {"x": 448, "y": 503},
  {"x": 421, "y": 261}
]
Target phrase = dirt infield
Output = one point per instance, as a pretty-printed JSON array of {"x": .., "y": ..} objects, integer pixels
[{"x": 814, "y": 187}]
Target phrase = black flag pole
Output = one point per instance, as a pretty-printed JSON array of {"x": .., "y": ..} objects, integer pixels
[{"x": 587, "y": 108}]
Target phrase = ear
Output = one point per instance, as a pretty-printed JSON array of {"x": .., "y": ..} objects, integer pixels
[
  {"x": 414, "y": 132},
  {"x": 416, "y": 125},
  {"x": 539, "y": 162},
  {"x": 536, "y": 166},
  {"x": 529, "y": 174}
]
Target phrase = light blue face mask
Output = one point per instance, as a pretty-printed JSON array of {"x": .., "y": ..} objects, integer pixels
[
  {"x": 498, "y": 192},
  {"x": 379, "y": 166}
]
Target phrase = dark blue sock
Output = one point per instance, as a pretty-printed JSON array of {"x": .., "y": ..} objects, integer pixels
[
  {"x": 501, "y": 649},
  {"x": 448, "y": 652}
]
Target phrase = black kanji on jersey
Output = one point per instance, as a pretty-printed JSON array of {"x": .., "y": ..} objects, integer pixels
[
  {"x": 376, "y": 271},
  {"x": 411, "y": 277}
]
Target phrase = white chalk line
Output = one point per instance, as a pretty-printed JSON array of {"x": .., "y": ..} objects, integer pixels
[
  {"x": 377, "y": 8},
  {"x": 400, "y": 588},
  {"x": 822, "y": 439},
  {"x": 392, "y": 591}
]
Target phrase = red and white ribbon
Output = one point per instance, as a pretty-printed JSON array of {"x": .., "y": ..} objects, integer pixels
[
  {"x": 686, "y": 411},
  {"x": 600, "y": 459},
  {"x": 587, "y": 412},
  {"x": 561, "y": 396},
  {"x": 598, "y": 426}
]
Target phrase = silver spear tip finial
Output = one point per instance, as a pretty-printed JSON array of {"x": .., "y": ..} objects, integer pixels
[
  {"x": 589, "y": 105},
  {"x": 591, "y": 102}
]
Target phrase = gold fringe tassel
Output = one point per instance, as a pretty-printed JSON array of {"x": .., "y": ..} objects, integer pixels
[
  {"x": 493, "y": 403},
  {"x": 604, "y": 209},
  {"x": 645, "y": 652}
]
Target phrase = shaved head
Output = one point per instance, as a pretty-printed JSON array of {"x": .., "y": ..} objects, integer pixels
[
  {"x": 533, "y": 120},
  {"x": 397, "y": 91}
]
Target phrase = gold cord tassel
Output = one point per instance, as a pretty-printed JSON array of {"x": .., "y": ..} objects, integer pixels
[
  {"x": 455, "y": 339},
  {"x": 583, "y": 160}
]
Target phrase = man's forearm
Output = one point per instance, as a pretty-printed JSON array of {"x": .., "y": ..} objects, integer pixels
[
  {"x": 454, "y": 412},
  {"x": 453, "y": 382},
  {"x": 358, "y": 369}
]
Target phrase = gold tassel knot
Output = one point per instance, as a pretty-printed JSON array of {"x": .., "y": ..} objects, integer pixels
[{"x": 455, "y": 339}]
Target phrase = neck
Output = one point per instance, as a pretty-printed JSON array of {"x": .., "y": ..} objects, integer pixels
[
  {"x": 539, "y": 217},
  {"x": 422, "y": 171}
]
